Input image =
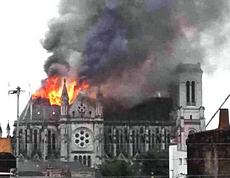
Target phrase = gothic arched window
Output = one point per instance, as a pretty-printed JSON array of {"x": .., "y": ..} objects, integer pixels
[
  {"x": 126, "y": 136},
  {"x": 53, "y": 141},
  {"x": 80, "y": 159},
  {"x": 188, "y": 92},
  {"x": 35, "y": 139},
  {"x": 84, "y": 160},
  {"x": 25, "y": 137},
  {"x": 191, "y": 132},
  {"x": 89, "y": 161},
  {"x": 193, "y": 92},
  {"x": 49, "y": 140}
]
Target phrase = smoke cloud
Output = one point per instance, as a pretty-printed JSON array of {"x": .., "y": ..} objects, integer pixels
[
  {"x": 56, "y": 65},
  {"x": 130, "y": 47}
]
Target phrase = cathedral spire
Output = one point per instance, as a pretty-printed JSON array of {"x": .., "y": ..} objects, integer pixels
[
  {"x": 8, "y": 129},
  {"x": 64, "y": 99},
  {"x": 64, "y": 92}
]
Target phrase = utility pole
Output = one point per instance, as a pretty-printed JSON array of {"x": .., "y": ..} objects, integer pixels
[{"x": 17, "y": 91}]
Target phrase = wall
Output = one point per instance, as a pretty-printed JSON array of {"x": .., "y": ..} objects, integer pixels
[{"x": 177, "y": 162}]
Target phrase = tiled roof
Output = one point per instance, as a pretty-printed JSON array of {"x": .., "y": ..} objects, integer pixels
[{"x": 5, "y": 145}]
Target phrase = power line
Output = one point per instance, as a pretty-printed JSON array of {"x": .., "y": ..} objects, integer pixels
[{"x": 217, "y": 111}]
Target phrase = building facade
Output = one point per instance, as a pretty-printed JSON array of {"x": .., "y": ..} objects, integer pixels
[
  {"x": 143, "y": 128},
  {"x": 67, "y": 132},
  {"x": 7, "y": 159},
  {"x": 209, "y": 151},
  {"x": 91, "y": 130}
]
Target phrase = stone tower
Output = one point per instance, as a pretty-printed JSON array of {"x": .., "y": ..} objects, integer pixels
[{"x": 190, "y": 111}]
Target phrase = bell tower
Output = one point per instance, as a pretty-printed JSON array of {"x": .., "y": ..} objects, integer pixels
[{"x": 190, "y": 112}]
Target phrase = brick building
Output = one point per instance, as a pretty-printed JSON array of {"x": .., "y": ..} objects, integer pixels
[{"x": 209, "y": 151}]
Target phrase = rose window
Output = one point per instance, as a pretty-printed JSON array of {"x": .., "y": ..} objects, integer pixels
[
  {"x": 82, "y": 138},
  {"x": 81, "y": 108}
]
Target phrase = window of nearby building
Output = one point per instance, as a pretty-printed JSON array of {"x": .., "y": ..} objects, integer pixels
[{"x": 180, "y": 161}]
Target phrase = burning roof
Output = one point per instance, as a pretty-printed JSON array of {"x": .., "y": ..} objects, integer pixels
[
  {"x": 40, "y": 110},
  {"x": 52, "y": 89}
]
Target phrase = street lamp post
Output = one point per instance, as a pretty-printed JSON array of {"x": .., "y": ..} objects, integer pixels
[{"x": 17, "y": 91}]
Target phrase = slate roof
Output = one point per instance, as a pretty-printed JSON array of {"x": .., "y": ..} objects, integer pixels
[
  {"x": 153, "y": 109},
  {"x": 40, "y": 109}
]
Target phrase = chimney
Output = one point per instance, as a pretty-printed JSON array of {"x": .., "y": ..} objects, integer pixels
[{"x": 223, "y": 119}]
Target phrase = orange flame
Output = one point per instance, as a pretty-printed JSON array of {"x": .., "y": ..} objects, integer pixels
[{"x": 53, "y": 86}]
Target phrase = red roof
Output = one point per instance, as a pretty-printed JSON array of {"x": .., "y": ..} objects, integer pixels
[{"x": 5, "y": 145}]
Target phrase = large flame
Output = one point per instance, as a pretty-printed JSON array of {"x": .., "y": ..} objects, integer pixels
[{"x": 52, "y": 89}]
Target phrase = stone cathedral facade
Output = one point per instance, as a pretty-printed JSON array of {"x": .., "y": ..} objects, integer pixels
[
  {"x": 67, "y": 132},
  {"x": 91, "y": 130}
]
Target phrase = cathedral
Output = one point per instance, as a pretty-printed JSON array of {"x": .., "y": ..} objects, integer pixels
[{"x": 90, "y": 130}]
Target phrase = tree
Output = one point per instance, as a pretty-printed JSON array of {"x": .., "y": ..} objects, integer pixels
[
  {"x": 116, "y": 168},
  {"x": 155, "y": 162}
]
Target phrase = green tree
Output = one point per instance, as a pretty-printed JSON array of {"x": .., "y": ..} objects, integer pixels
[
  {"x": 116, "y": 168},
  {"x": 155, "y": 162}
]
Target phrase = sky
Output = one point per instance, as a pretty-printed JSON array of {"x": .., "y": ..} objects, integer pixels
[{"x": 24, "y": 24}]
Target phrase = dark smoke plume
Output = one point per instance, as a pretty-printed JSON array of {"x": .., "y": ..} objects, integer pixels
[
  {"x": 56, "y": 65},
  {"x": 110, "y": 42}
]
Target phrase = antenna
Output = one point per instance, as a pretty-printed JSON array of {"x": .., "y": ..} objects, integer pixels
[
  {"x": 29, "y": 89},
  {"x": 17, "y": 92},
  {"x": 217, "y": 111}
]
